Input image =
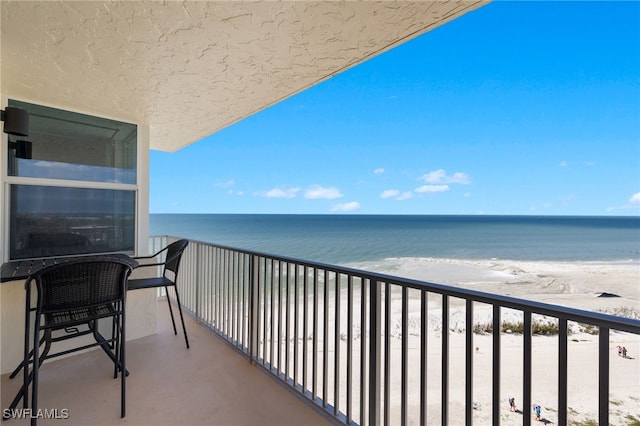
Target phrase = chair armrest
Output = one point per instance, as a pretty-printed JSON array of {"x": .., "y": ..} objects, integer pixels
[
  {"x": 155, "y": 255},
  {"x": 144, "y": 257},
  {"x": 142, "y": 265},
  {"x": 170, "y": 259}
]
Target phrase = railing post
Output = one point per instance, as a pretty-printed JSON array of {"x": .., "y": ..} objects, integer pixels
[
  {"x": 603, "y": 376},
  {"x": 444, "y": 397},
  {"x": 562, "y": 371},
  {"x": 198, "y": 281},
  {"x": 526, "y": 373},
  {"x": 495, "y": 400},
  {"x": 469, "y": 364},
  {"x": 253, "y": 308},
  {"x": 375, "y": 325},
  {"x": 404, "y": 363}
]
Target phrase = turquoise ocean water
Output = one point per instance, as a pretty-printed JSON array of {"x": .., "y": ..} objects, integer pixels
[{"x": 341, "y": 239}]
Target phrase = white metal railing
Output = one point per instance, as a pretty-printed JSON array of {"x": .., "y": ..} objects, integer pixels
[{"x": 332, "y": 333}]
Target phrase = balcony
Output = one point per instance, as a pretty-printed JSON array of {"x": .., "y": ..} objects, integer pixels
[
  {"x": 359, "y": 347},
  {"x": 208, "y": 384}
]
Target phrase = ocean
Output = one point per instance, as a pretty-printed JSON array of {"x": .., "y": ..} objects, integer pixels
[{"x": 344, "y": 239}]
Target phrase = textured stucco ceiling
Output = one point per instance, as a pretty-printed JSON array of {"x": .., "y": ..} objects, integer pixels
[{"x": 191, "y": 68}]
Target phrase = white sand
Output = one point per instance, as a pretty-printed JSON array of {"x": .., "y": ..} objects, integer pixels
[{"x": 573, "y": 284}]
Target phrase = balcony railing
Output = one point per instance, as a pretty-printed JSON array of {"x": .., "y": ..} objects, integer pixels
[{"x": 333, "y": 334}]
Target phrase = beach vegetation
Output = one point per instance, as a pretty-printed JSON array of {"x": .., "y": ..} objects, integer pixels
[
  {"x": 589, "y": 329},
  {"x": 513, "y": 327},
  {"x": 588, "y": 422},
  {"x": 537, "y": 328},
  {"x": 517, "y": 327},
  {"x": 545, "y": 328},
  {"x": 633, "y": 420},
  {"x": 483, "y": 328}
]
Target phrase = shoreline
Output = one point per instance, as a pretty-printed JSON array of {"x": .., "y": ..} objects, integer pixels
[{"x": 609, "y": 287}]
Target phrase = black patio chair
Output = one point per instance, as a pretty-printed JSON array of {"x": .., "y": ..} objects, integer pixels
[
  {"x": 168, "y": 278},
  {"x": 72, "y": 296}
]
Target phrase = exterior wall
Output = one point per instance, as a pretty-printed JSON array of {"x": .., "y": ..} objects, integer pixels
[{"x": 141, "y": 304}]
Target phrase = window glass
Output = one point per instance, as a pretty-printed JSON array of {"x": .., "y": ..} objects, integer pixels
[
  {"x": 67, "y": 145},
  {"x": 54, "y": 221}
]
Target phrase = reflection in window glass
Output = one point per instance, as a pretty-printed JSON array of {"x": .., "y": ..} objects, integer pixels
[
  {"x": 55, "y": 221},
  {"x": 67, "y": 145}
]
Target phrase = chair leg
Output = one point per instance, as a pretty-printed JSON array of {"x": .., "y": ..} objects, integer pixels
[
  {"x": 26, "y": 377},
  {"x": 19, "y": 367},
  {"x": 116, "y": 335},
  {"x": 123, "y": 372},
  {"x": 6, "y": 415},
  {"x": 184, "y": 329},
  {"x": 166, "y": 290},
  {"x": 105, "y": 345},
  {"x": 23, "y": 392},
  {"x": 36, "y": 367}
]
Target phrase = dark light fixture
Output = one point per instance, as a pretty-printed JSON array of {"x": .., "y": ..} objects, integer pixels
[
  {"x": 24, "y": 149},
  {"x": 16, "y": 121}
]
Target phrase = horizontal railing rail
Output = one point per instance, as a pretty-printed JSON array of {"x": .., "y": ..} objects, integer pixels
[{"x": 359, "y": 344}]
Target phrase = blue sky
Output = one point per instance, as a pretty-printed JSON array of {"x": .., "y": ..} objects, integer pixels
[{"x": 516, "y": 108}]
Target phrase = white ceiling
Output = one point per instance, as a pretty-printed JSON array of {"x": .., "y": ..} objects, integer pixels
[{"x": 191, "y": 68}]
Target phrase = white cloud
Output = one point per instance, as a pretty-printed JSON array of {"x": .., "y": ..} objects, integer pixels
[
  {"x": 235, "y": 192},
  {"x": 394, "y": 193},
  {"x": 433, "y": 188},
  {"x": 590, "y": 163},
  {"x": 346, "y": 207},
  {"x": 461, "y": 178},
  {"x": 318, "y": 192},
  {"x": 378, "y": 171},
  {"x": 226, "y": 184},
  {"x": 564, "y": 164},
  {"x": 282, "y": 193},
  {"x": 632, "y": 204},
  {"x": 389, "y": 193},
  {"x": 467, "y": 194},
  {"x": 434, "y": 177},
  {"x": 440, "y": 176}
]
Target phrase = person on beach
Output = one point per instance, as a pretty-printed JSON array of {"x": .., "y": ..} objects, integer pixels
[
  {"x": 512, "y": 404},
  {"x": 537, "y": 410},
  {"x": 619, "y": 350},
  {"x": 624, "y": 352}
]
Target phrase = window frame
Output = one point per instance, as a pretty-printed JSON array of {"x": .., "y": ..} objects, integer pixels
[{"x": 8, "y": 181}]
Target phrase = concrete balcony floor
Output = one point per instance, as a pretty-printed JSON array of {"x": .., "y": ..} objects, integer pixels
[{"x": 208, "y": 384}]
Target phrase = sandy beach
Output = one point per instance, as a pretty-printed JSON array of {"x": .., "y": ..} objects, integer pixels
[{"x": 574, "y": 284}]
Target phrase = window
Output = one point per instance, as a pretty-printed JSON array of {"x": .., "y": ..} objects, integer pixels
[
  {"x": 71, "y": 146},
  {"x": 71, "y": 185}
]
